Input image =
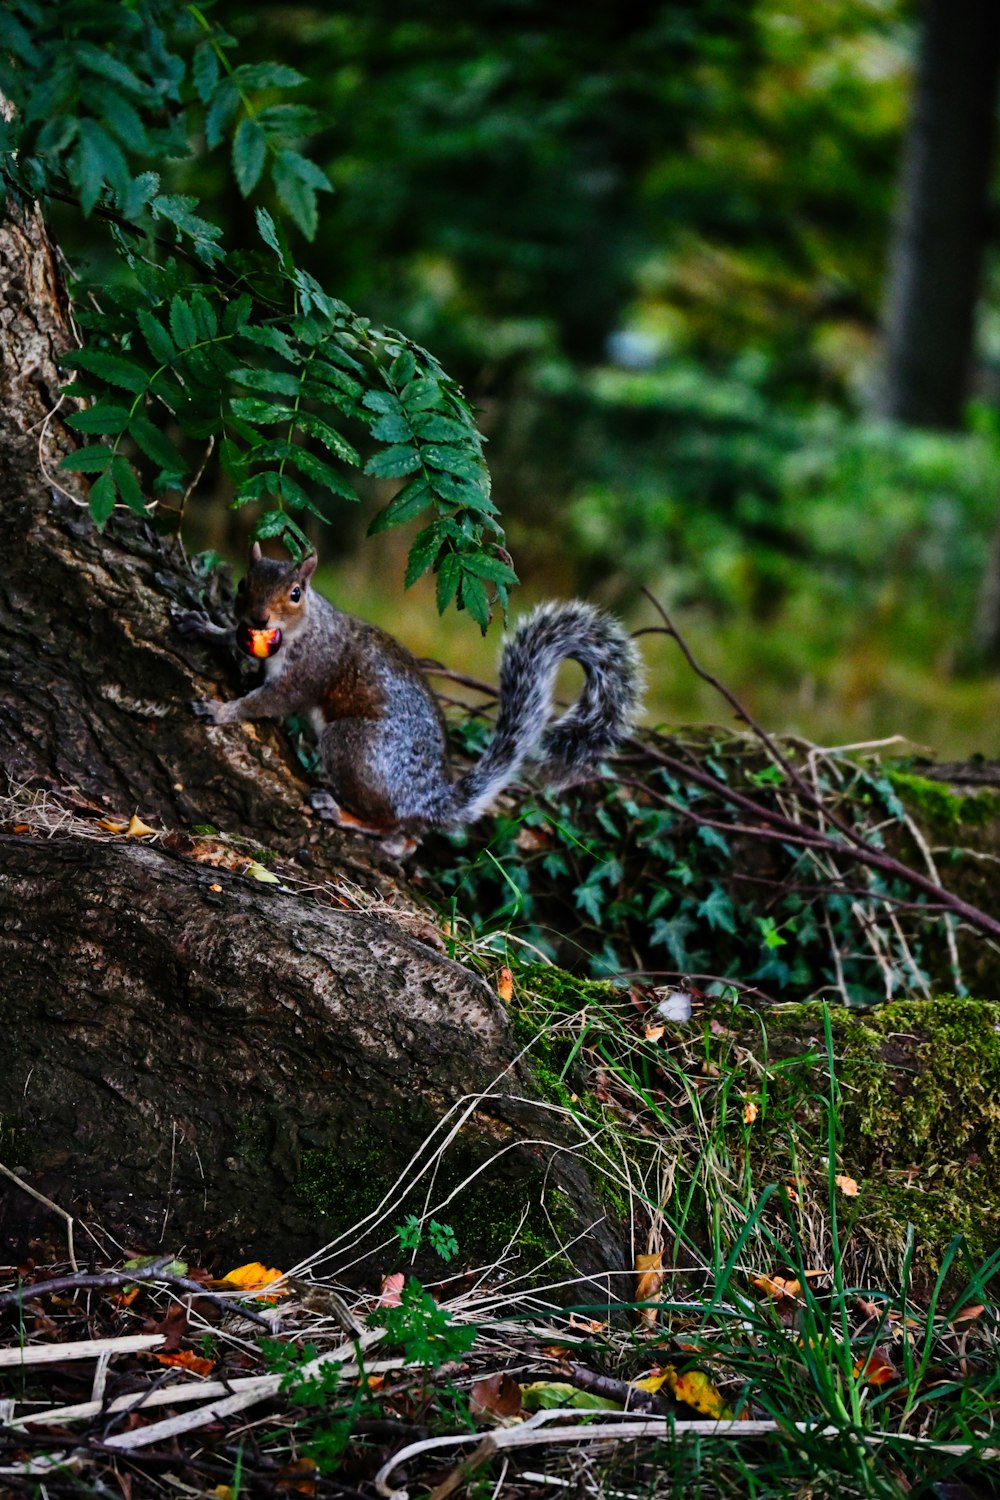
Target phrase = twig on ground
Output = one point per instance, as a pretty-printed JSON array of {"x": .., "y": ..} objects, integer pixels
[
  {"x": 41, "y": 1198},
  {"x": 110, "y": 1280}
]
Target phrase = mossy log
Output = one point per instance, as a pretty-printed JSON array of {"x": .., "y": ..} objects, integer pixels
[{"x": 743, "y": 1105}]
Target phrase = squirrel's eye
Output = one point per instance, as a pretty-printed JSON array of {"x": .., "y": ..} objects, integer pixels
[{"x": 295, "y": 594}]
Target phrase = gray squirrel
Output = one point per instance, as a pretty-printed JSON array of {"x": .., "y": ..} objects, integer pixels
[{"x": 379, "y": 728}]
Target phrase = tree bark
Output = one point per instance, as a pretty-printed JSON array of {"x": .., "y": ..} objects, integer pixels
[
  {"x": 191, "y": 1056},
  {"x": 942, "y": 226}
]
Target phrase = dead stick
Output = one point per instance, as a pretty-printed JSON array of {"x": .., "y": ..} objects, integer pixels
[
  {"x": 859, "y": 850},
  {"x": 109, "y": 1280}
]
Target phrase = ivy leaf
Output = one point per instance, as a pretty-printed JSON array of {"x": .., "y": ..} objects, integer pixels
[
  {"x": 249, "y": 154},
  {"x": 717, "y": 909},
  {"x": 672, "y": 933},
  {"x": 714, "y": 839}
]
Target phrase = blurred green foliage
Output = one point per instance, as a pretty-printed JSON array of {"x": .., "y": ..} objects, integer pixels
[{"x": 651, "y": 245}]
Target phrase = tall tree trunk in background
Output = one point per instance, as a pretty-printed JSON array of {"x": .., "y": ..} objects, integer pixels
[{"x": 942, "y": 223}]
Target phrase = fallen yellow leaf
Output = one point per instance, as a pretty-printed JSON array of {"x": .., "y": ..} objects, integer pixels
[
  {"x": 696, "y": 1390},
  {"x": 505, "y": 985},
  {"x": 653, "y": 1033},
  {"x": 496, "y": 1395},
  {"x": 877, "y": 1369},
  {"x": 260, "y": 872},
  {"x": 648, "y": 1282},
  {"x": 847, "y": 1185},
  {"x": 137, "y": 829},
  {"x": 750, "y": 1112},
  {"x": 255, "y": 1276},
  {"x": 780, "y": 1288},
  {"x": 967, "y": 1314},
  {"x": 591, "y": 1325},
  {"x": 185, "y": 1360}
]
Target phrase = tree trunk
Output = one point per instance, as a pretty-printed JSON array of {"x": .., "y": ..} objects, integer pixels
[
  {"x": 943, "y": 220},
  {"x": 192, "y": 1056}
]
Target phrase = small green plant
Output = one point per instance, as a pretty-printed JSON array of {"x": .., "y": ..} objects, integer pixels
[
  {"x": 427, "y": 1333},
  {"x": 440, "y": 1237}
]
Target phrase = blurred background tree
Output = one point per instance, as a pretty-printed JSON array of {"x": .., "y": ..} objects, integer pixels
[{"x": 653, "y": 245}]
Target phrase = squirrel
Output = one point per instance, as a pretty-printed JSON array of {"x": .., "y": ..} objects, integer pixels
[{"x": 380, "y": 730}]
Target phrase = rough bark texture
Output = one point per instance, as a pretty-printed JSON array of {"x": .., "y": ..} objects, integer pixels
[
  {"x": 943, "y": 220},
  {"x": 191, "y": 1057},
  {"x": 189, "y": 1060}
]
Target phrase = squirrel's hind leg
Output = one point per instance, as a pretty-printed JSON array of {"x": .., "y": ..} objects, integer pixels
[
  {"x": 392, "y": 841},
  {"x": 325, "y": 805}
]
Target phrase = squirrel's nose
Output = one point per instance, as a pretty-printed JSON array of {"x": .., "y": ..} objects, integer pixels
[{"x": 259, "y": 619}]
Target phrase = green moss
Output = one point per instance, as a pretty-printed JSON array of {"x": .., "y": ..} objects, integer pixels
[
  {"x": 338, "y": 1185},
  {"x": 520, "y": 1213},
  {"x": 939, "y": 803},
  {"x": 252, "y": 1138},
  {"x": 918, "y": 1118}
]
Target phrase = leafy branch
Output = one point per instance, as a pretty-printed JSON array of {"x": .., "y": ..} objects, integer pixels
[{"x": 207, "y": 346}]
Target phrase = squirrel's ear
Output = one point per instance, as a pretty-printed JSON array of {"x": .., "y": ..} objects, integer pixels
[
  {"x": 307, "y": 567},
  {"x": 255, "y": 553}
]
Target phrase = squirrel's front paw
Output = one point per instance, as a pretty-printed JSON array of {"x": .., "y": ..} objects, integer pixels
[
  {"x": 324, "y": 805},
  {"x": 190, "y": 621},
  {"x": 196, "y": 624},
  {"x": 210, "y": 709}
]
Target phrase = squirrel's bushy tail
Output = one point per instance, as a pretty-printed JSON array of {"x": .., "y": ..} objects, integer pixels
[{"x": 590, "y": 729}]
